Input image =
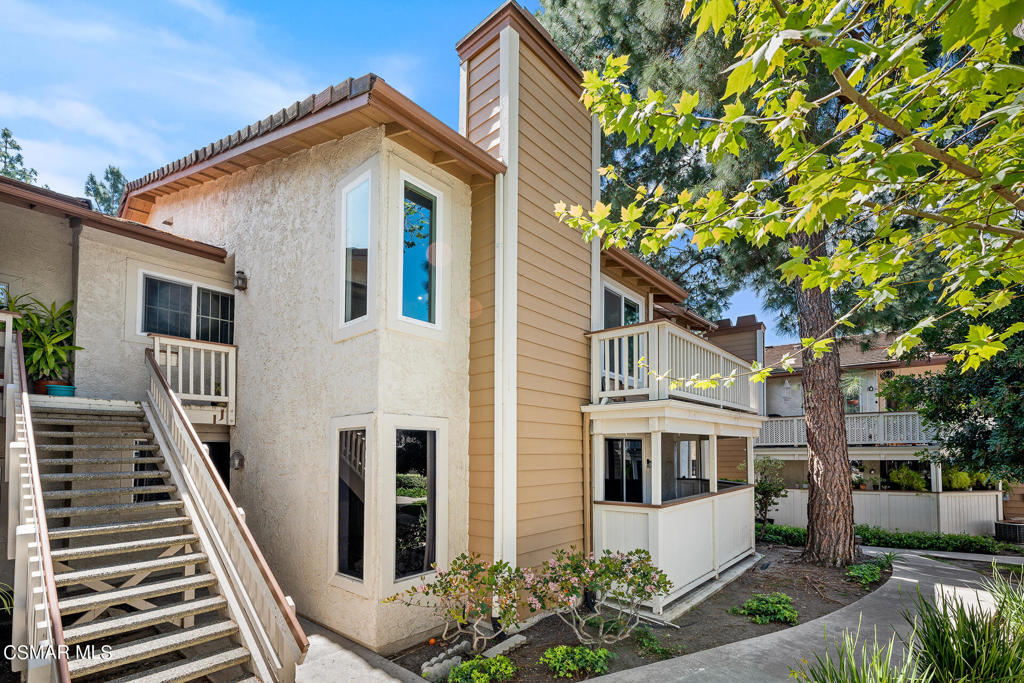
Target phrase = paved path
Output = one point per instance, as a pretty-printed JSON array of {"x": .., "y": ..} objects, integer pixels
[
  {"x": 335, "y": 659},
  {"x": 770, "y": 657}
]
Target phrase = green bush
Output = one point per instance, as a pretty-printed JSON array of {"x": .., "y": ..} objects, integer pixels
[
  {"x": 765, "y": 608},
  {"x": 875, "y": 664},
  {"x": 572, "y": 661},
  {"x": 410, "y": 480},
  {"x": 908, "y": 479},
  {"x": 483, "y": 670},
  {"x": 955, "y": 480},
  {"x": 884, "y": 560},
  {"x": 864, "y": 574},
  {"x": 928, "y": 540},
  {"x": 649, "y": 644},
  {"x": 783, "y": 535}
]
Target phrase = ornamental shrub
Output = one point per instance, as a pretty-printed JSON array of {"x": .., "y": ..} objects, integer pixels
[
  {"x": 955, "y": 480},
  {"x": 865, "y": 574},
  {"x": 483, "y": 670},
  {"x": 765, "y": 608},
  {"x": 908, "y": 479},
  {"x": 928, "y": 540},
  {"x": 599, "y": 598},
  {"x": 572, "y": 661},
  {"x": 783, "y": 535}
]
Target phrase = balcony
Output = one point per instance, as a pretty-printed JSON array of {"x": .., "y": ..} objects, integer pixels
[
  {"x": 201, "y": 374},
  {"x": 862, "y": 429},
  {"x": 642, "y": 362}
]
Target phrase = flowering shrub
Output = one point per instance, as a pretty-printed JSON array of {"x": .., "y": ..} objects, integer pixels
[
  {"x": 599, "y": 598},
  {"x": 467, "y": 593}
]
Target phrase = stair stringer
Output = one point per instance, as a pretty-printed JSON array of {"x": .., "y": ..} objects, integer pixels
[{"x": 228, "y": 581}]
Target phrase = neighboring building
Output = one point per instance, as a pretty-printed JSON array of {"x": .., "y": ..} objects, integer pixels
[
  {"x": 881, "y": 437},
  {"x": 394, "y": 354}
]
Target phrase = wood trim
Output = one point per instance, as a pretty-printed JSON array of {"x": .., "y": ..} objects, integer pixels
[
  {"x": 63, "y": 673},
  {"x": 250, "y": 542}
]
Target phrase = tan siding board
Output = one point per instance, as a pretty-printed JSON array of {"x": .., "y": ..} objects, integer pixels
[
  {"x": 742, "y": 344},
  {"x": 532, "y": 186},
  {"x": 551, "y": 492},
  {"x": 560, "y": 108},
  {"x": 545, "y": 257},
  {"x": 532, "y": 334},
  {"x": 731, "y": 455},
  {"x": 551, "y": 154},
  {"x": 553, "y": 371},
  {"x": 548, "y": 415}
]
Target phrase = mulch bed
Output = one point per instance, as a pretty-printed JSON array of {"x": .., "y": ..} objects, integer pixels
[{"x": 815, "y": 591}]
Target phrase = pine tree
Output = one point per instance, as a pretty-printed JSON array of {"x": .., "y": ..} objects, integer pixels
[
  {"x": 12, "y": 163},
  {"x": 106, "y": 195}
]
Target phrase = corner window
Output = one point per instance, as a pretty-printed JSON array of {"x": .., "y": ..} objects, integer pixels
[
  {"x": 351, "y": 501},
  {"x": 415, "y": 493},
  {"x": 184, "y": 309},
  {"x": 356, "y": 201},
  {"x": 619, "y": 310},
  {"x": 419, "y": 237}
]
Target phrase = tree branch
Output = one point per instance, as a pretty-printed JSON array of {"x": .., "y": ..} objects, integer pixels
[{"x": 939, "y": 218}]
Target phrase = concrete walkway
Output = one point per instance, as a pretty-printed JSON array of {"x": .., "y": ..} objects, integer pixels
[
  {"x": 771, "y": 657},
  {"x": 335, "y": 659}
]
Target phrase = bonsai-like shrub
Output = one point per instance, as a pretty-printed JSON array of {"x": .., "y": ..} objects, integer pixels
[
  {"x": 599, "y": 598},
  {"x": 955, "y": 480},
  {"x": 571, "y": 661},
  {"x": 908, "y": 479},
  {"x": 769, "y": 488}
]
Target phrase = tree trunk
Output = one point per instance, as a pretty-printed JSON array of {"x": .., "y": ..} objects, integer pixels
[{"x": 830, "y": 538}]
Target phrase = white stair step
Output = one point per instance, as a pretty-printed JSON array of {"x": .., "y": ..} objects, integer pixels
[
  {"x": 82, "y": 410},
  {"x": 142, "y": 619},
  {"x": 79, "y": 510},
  {"x": 65, "y": 554},
  {"x": 88, "y": 422},
  {"x": 143, "y": 591},
  {"x": 127, "y": 569},
  {"x": 95, "y": 435},
  {"x": 95, "y": 447},
  {"x": 117, "y": 528},
  {"x": 151, "y": 647},
  {"x": 122, "y": 474},
  {"x": 65, "y": 494},
  {"x": 191, "y": 669},
  {"x": 111, "y": 460}
]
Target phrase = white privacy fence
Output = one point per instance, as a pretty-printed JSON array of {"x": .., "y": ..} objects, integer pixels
[
  {"x": 654, "y": 360},
  {"x": 862, "y": 429},
  {"x": 198, "y": 370}
]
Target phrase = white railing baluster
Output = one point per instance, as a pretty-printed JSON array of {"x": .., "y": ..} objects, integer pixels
[
  {"x": 215, "y": 360},
  {"x": 862, "y": 429}
]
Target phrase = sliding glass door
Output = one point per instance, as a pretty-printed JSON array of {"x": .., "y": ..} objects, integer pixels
[{"x": 624, "y": 470}]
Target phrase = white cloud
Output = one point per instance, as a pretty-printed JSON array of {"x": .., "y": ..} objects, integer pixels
[
  {"x": 64, "y": 167},
  {"x": 208, "y": 10},
  {"x": 403, "y": 72}
]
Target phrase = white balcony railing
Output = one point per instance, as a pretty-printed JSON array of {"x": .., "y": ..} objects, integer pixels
[
  {"x": 862, "y": 429},
  {"x": 198, "y": 371},
  {"x": 648, "y": 359},
  {"x": 7, "y": 362}
]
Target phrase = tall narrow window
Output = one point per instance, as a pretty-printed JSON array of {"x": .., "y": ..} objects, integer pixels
[
  {"x": 415, "y": 513},
  {"x": 351, "y": 501},
  {"x": 624, "y": 470},
  {"x": 419, "y": 236},
  {"x": 167, "y": 308},
  {"x": 357, "y": 249},
  {"x": 215, "y": 319}
]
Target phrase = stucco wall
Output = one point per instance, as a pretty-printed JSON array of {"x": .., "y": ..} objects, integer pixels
[
  {"x": 782, "y": 402},
  {"x": 36, "y": 254},
  {"x": 278, "y": 220},
  {"x": 111, "y": 363}
]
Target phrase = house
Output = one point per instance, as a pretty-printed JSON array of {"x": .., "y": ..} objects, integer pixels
[
  {"x": 391, "y": 352},
  {"x": 882, "y": 439}
]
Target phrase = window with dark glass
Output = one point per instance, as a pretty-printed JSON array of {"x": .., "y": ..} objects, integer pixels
[
  {"x": 415, "y": 514},
  {"x": 167, "y": 308},
  {"x": 215, "y": 319},
  {"x": 351, "y": 501},
  {"x": 418, "y": 269},
  {"x": 357, "y": 248},
  {"x": 624, "y": 473}
]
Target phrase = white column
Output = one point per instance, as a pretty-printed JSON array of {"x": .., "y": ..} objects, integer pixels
[
  {"x": 750, "y": 460},
  {"x": 655, "y": 468},
  {"x": 713, "y": 462},
  {"x": 936, "y": 477}
]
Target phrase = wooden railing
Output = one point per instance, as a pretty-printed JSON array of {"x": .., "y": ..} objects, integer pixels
[
  {"x": 198, "y": 370},
  {"x": 655, "y": 360},
  {"x": 7, "y": 364},
  {"x": 36, "y": 620},
  {"x": 280, "y": 640},
  {"x": 862, "y": 429}
]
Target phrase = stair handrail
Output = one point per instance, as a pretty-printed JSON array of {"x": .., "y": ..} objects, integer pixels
[
  {"x": 42, "y": 531},
  {"x": 268, "y": 575}
]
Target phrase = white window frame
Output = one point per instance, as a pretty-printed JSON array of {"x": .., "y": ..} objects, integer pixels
[
  {"x": 390, "y": 425},
  {"x": 140, "y": 312},
  {"x": 624, "y": 293},
  {"x": 368, "y": 170},
  {"x": 436, "y": 328},
  {"x": 335, "y": 426}
]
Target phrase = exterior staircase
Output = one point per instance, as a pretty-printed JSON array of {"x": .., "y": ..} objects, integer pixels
[{"x": 131, "y": 573}]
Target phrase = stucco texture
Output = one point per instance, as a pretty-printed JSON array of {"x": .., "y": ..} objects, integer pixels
[
  {"x": 278, "y": 220},
  {"x": 36, "y": 254}
]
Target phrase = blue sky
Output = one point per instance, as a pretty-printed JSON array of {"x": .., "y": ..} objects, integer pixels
[{"x": 137, "y": 84}]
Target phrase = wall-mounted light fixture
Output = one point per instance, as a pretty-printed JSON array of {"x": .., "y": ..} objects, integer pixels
[
  {"x": 237, "y": 460},
  {"x": 241, "y": 280}
]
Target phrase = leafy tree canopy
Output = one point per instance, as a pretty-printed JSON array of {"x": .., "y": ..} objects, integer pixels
[
  {"x": 12, "y": 163},
  {"x": 929, "y": 105},
  {"x": 106, "y": 194}
]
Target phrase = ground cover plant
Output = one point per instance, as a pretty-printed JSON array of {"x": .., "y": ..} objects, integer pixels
[
  {"x": 483, "y": 670},
  {"x": 576, "y": 661},
  {"x": 649, "y": 644},
  {"x": 865, "y": 574},
  {"x": 765, "y": 608}
]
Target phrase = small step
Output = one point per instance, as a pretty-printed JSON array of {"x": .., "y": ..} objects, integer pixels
[
  {"x": 79, "y": 510},
  {"x": 122, "y": 474},
  {"x": 144, "y": 591},
  {"x": 65, "y": 494},
  {"x": 151, "y": 647},
  {"x": 142, "y": 619},
  {"x": 111, "y": 460},
  {"x": 72, "y": 422},
  {"x": 95, "y": 435},
  {"x": 117, "y": 528},
  {"x": 191, "y": 669},
  {"x": 120, "y": 411},
  {"x": 95, "y": 447},
  {"x": 65, "y": 554},
  {"x": 127, "y": 569}
]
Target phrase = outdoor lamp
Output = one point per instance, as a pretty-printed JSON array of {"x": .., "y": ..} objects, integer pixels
[{"x": 241, "y": 280}]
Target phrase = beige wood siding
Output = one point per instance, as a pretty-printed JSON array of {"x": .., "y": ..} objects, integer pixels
[
  {"x": 732, "y": 457},
  {"x": 483, "y": 99},
  {"x": 554, "y": 313},
  {"x": 742, "y": 344},
  {"x": 1014, "y": 507}
]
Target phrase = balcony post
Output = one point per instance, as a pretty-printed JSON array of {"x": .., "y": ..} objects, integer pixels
[
  {"x": 750, "y": 460},
  {"x": 595, "y": 369},
  {"x": 713, "y": 463},
  {"x": 936, "y": 477},
  {"x": 655, "y": 468}
]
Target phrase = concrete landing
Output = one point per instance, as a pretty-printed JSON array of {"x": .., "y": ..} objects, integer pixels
[{"x": 332, "y": 658}]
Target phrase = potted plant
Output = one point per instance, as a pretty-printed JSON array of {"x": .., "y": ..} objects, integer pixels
[
  {"x": 851, "y": 384},
  {"x": 858, "y": 481},
  {"x": 47, "y": 333},
  {"x": 875, "y": 482}
]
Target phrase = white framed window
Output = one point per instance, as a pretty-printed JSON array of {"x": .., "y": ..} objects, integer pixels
[
  {"x": 352, "y": 451},
  {"x": 418, "y": 244},
  {"x": 5, "y": 294},
  {"x": 175, "y": 307},
  {"x": 621, "y": 306},
  {"x": 355, "y": 251},
  {"x": 414, "y": 475}
]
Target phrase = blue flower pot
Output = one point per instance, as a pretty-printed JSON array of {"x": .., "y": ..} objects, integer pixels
[{"x": 60, "y": 390}]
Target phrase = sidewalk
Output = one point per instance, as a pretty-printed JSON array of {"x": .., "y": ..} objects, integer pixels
[
  {"x": 335, "y": 659},
  {"x": 772, "y": 656}
]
